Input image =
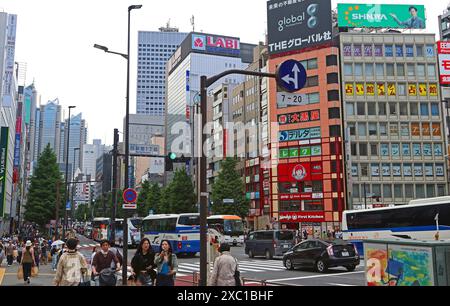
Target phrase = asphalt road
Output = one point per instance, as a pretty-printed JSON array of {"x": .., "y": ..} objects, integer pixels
[{"x": 257, "y": 269}]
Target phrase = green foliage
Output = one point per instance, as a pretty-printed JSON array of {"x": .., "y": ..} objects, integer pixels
[
  {"x": 229, "y": 185},
  {"x": 142, "y": 205},
  {"x": 154, "y": 198},
  {"x": 179, "y": 196},
  {"x": 82, "y": 213},
  {"x": 41, "y": 204}
]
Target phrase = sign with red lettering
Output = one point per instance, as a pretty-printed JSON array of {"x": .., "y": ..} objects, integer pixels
[
  {"x": 444, "y": 61},
  {"x": 299, "y": 117},
  {"x": 296, "y": 217},
  {"x": 216, "y": 44}
]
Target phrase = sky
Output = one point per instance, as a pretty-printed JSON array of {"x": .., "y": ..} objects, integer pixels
[{"x": 55, "y": 38}]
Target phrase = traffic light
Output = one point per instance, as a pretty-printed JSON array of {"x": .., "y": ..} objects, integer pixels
[{"x": 172, "y": 158}]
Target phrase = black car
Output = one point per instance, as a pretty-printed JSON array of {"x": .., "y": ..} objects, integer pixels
[{"x": 321, "y": 255}]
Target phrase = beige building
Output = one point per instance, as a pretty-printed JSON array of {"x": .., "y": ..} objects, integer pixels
[{"x": 393, "y": 117}]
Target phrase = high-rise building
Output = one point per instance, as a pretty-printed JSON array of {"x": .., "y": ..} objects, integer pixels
[
  {"x": 50, "y": 126},
  {"x": 8, "y": 109},
  {"x": 444, "y": 24},
  {"x": 199, "y": 54},
  {"x": 393, "y": 118},
  {"x": 91, "y": 152},
  {"x": 78, "y": 134},
  {"x": 154, "y": 48}
]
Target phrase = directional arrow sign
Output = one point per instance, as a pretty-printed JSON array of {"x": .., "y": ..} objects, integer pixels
[{"x": 291, "y": 76}]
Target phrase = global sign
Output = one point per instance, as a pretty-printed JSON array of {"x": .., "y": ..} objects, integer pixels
[
  {"x": 216, "y": 44},
  {"x": 298, "y": 24}
]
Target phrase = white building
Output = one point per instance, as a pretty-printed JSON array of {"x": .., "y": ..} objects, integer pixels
[
  {"x": 154, "y": 48},
  {"x": 90, "y": 154},
  {"x": 8, "y": 107}
]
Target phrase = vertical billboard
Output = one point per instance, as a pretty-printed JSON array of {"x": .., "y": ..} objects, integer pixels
[
  {"x": 407, "y": 16},
  {"x": 298, "y": 24},
  {"x": 9, "y": 61},
  {"x": 444, "y": 61},
  {"x": 3, "y": 166}
]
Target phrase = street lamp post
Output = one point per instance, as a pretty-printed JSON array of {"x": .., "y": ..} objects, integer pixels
[
  {"x": 205, "y": 82},
  {"x": 67, "y": 174},
  {"x": 126, "y": 136},
  {"x": 72, "y": 206}
]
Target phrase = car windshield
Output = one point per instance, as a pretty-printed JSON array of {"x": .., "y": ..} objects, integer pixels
[{"x": 285, "y": 235}]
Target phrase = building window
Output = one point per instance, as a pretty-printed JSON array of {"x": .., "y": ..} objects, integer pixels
[
  {"x": 392, "y": 108},
  {"x": 312, "y": 81},
  {"x": 382, "y": 109},
  {"x": 352, "y": 128},
  {"x": 350, "y": 107},
  {"x": 411, "y": 70},
  {"x": 374, "y": 149},
  {"x": 424, "y": 111},
  {"x": 409, "y": 191},
  {"x": 354, "y": 149},
  {"x": 390, "y": 70},
  {"x": 363, "y": 149},
  {"x": 361, "y": 108},
  {"x": 332, "y": 60},
  {"x": 398, "y": 191},
  {"x": 421, "y": 70},
  {"x": 348, "y": 69},
  {"x": 401, "y": 69},
  {"x": 409, "y": 51},
  {"x": 335, "y": 130},
  {"x": 431, "y": 71},
  {"x": 371, "y": 109},
  {"x": 419, "y": 50},
  {"x": 332, "y": 78},
  {"x": 401, "y": 89},
  {"x": 388, "y": 50},
  {"x": 387, "y": 191},
  {"x": 379, "y": 69},
  {"x": 414, "y": 109},
  {"x": 334, "y": 113},
  {"x": 420, "y": 191},
  {"x": 364, "y": 169},
  {"x": 373, "y": 129},
  {"x": 368, "y": 68},
  {"x": 356, "y": 194},
  {"x": 383, "y": 129},
  {"x": 358, "y": 69},
  {"x": 333, "y": 95}
]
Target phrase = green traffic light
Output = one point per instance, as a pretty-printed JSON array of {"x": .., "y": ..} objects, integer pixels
[{"x": 172, "y": 156}]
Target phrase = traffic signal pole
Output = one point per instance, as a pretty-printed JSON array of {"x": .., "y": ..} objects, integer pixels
[{"x": 205, "y": 82}]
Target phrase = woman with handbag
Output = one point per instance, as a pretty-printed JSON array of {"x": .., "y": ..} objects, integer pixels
[
  {"x": 27, "y": 261},
  {"x": 143, "y": 264},
  {"x": 225, "y": 271},
  {"x": 71, "y": 267}
]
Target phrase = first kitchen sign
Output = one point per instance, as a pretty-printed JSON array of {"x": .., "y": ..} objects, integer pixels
[{"x": 444, "y": 61}]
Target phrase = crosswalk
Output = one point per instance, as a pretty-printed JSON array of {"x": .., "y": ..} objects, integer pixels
[
  {"x": 245, "y": 266},
  {"x": 86, "y": 246}
]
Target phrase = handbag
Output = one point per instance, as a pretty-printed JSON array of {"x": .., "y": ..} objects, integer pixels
[
  {"x": 237, "y": 275},
  {"x": 34, "y": 271},
  {"x": 84, "y": 282},
  {"x": 20, "y": 272}
]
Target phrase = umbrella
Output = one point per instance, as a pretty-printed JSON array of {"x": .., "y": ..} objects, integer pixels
[{"x": 58, "y": 242}]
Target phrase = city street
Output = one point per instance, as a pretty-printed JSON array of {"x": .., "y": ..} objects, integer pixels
[{"x": 256, "y": 269}]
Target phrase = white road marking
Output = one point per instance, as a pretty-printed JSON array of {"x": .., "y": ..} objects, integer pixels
[
  {"x": 341, "y": 285},
  {"x": 314, "y": 276}
]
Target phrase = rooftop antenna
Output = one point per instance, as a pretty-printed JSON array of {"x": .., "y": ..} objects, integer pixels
[
  {"x": 193, "y": 23},
  {"x": 168, "y": 24}
]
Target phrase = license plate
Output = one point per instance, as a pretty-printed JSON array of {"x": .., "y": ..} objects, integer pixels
[
  {"x": 345, "y": 254},
  {"x": 286, "y": 246}
]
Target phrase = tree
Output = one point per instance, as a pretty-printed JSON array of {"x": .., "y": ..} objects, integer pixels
[
  {"x": 229, "y": 185},
  {"x": 142, "y": 200},
  {"x": 82, "y": 213},
  {"x": 41, "y": 204},
  {"x": 154, "y": 198},
  {"x": 179, "y": 197}
]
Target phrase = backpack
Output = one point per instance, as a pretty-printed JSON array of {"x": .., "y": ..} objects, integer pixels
[{"x": 107, "y": 277}]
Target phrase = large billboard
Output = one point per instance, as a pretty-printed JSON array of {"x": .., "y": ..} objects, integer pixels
[
  {"x": 3, "y": 166},
  {"x": 444, "y": 61},
  {"x": 9, "y": 61},
  {"x": 298, "y": 24},
  {"x": 407, "y": 16}
]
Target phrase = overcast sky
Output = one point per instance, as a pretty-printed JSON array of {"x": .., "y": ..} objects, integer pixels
[{"x": 55, "y": 39}]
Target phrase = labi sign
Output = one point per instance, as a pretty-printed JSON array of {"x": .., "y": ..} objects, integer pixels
[{"x": 381, "y": 16}]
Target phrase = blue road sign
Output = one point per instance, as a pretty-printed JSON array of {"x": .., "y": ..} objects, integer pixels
[
  {"x": 68, "y": 206},
  {"x": 130, "y": 196},
  {"x": 291, "y": 76}
]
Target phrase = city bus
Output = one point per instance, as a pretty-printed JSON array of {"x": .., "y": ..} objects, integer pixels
[
  {"x": 100, "y": 227},
  {"x": 181, "y": 230},
  {"x": 231, "y": 227},
  {"x": 417, "y": 220}
]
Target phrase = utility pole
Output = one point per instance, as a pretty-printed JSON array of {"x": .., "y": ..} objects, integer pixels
[
  {"x": 114, "y": 185},
  {"x": 58, "y": 203},
  {"x": 365, "y": 197}
]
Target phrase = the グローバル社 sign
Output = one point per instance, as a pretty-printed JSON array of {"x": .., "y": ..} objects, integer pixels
[{"x": 298, "y": 24}]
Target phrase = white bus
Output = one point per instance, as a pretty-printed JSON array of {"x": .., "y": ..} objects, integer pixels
[
  {"x": 181, "y": 230},
  {"x": 417, "y": 220},
  {"x": 231, "y": 227},
  {"x": 134, "y": 231}
]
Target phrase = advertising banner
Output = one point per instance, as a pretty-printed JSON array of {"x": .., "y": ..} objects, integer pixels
[
  {"x": 301, "y": 134},
  {"x": 10, "y": 48},
  {"x": 299, "y": 117},
  {"x": 3, "y": 166},
  {"x": 300, "y": 172},
  {"x": 405, "y": 16},
  {"x": 298, "y": 24},
  {"x": 444, "y": 61},
  {"x": 296, "y": 217}
]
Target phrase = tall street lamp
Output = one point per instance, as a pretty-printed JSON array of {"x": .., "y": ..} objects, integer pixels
[
  {"x": 127, "y": 146},
  {"x": 73, "y": 183},
  {"x": 67, "y": 174}
]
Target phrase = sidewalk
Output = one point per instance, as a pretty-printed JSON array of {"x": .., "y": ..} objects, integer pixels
[{"x": 8, "y": 276}]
